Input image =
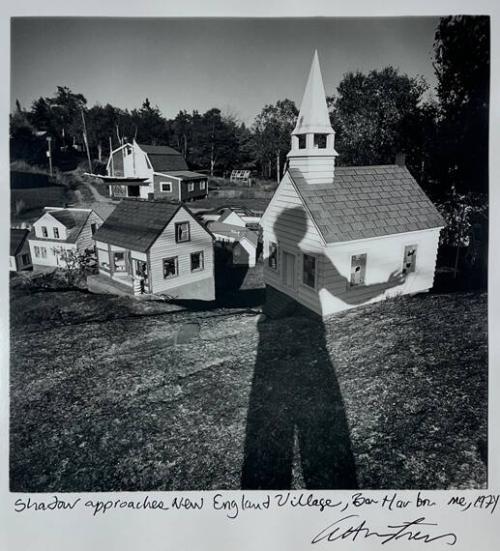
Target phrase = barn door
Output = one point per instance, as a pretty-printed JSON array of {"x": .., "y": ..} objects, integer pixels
[{"x": 289, "y": 269}]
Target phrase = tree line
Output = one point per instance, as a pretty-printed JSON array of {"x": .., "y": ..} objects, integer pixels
[{"x": 375, "y": 115}]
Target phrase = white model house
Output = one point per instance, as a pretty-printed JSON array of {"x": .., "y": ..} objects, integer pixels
[
  {"x": 59, "y": 231},
  {"x": 154, "y": 246},
  {"x": 339, "y": 237}
]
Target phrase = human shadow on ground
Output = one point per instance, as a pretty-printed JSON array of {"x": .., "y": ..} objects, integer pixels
[{"x": 295, "y": 400}]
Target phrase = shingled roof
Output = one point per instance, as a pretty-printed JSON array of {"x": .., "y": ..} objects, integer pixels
[
  {"x": 73, "y": 219},
  {"x": 367, "y": 201},
  {"x": 164, "y": 158},
  {"x": 136, "y": 223}
]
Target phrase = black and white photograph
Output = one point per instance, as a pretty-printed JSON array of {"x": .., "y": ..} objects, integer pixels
[{"x": 248, "y": 253}]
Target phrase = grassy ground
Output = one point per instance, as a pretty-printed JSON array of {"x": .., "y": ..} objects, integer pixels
[{"x": 105, "y": 395}]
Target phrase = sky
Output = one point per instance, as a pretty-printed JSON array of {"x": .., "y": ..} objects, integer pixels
[{"x": 238, "y": 65}]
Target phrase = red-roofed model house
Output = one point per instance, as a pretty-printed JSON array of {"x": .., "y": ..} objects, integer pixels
[
  {"x": 154, "y": 246},
  {"x": 335, "y": 238},
  {"x": 153, "y": 171},
  {"x": 59, "y": 231}
]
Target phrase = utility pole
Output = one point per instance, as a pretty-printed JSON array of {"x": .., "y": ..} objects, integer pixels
[
  {"x": 49, "y": 153},
  {"x": 111, "y": 156},
  {"x": 86, "y": 140}
]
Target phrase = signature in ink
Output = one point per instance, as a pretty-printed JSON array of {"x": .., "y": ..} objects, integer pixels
[{"x": 350, "y": 528}]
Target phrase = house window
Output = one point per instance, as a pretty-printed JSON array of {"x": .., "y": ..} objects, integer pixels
[
  {"x": 25, "y": 259},
  {"x": 43, "y": 250},
  {"x": 182, "y": 232},
  {"x": 119, "y": 261},
  {"x": 45, "y": 232},
  {"x": 37, "y": 251},
  {"x": 358, "y": 269},
  {"x": 197, "y": 261},
  {"x": 141, "y": 268},
  {"x": 93, "y": 228},
  {"x": 103, "y": 256},
  {"x": 56, "y": 232},
  {"x": 309, "y": 270},
  {"x": 203, "y": 184},
  {"x": 273, "y": 256},
  {"x": 170, "y": 267},
  {"x": 190, "y": 186},
  {"x": 410, "y": 259},
  {"x": 302, "y": 141},
  {"x": 128, "y": 150},
  {"x": 320, "y": 141},
  {"x": 166, "y": 186}
]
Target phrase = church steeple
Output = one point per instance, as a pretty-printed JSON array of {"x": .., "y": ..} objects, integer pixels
[{"x": 313, "y": 138}]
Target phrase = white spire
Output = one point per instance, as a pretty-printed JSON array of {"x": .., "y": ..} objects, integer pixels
[{"x": 313, "y": 116}]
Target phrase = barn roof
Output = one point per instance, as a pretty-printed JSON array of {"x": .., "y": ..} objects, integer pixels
[
  {"x": 137, "y": 223},
  {"x": 367, "y": 201},
  {"x": 17, "y": 238},
  {"x": 164, "y": 158}
]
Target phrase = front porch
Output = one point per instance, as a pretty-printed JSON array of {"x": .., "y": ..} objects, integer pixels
[{"x": 123, "y": 269}]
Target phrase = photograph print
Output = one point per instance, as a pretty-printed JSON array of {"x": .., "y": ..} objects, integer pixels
[{"x": 248, "y": 253}]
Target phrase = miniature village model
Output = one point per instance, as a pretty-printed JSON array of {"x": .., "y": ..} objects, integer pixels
[{"x": 339, "y": 237}]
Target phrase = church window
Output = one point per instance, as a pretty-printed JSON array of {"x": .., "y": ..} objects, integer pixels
[{"x": 358, "y": 269}]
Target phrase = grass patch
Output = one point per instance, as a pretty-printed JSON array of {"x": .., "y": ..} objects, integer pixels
[{"x": 103, "y": 399}]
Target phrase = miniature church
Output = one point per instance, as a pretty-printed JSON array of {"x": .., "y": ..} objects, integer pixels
[{"x": 339, "y": 237}]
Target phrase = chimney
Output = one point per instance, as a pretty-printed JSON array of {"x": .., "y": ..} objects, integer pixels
[{"x": 400, "y": 159}]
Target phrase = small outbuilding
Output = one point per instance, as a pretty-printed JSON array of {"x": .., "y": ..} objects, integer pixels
[
  {"x": 339, "y": 237},
  {"x": 20, "y": 257},
  {"x": 154, "y": 246},
  {"x": 243, "y": 242}
]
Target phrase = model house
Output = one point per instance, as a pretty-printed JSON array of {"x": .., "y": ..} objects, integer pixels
[
  {"x": 339, "y": 237},
  {"x": 19, "y": 258},
  {"x": 60, "y": 231},
  {"x": 243, "y": 242},
  {"x": 150, "y": 171},
  {"x": 154, "y": 246}
]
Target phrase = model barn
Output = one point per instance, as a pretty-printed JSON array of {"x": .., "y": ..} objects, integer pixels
[
  {"x": 339, "y": 237},
  {"x": 154, "y": 246},
  {"x": 60, "y": 231},
  {"x": 152, "y": 171}
]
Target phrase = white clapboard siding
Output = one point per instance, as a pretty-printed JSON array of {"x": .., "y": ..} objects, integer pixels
[
  {"x": 53, "y": 250},
  {"x": 166, "y": 247},
  {"x": 50, "y": 223},
  {"x": 85, "y": 240},
  {"x": 384, "y": 255},
  {"x": 281, "y": 223}
]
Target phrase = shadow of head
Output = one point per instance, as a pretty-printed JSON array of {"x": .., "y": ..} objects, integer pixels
[{"x": 291, "y": 225}]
